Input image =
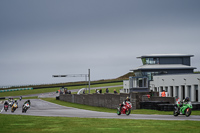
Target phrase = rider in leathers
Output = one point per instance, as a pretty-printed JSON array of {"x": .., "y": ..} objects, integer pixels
[
  {"x": 28, "y": 101},
  {"x": 124, "y": 103},
  {"x": 185, "y": 101}
]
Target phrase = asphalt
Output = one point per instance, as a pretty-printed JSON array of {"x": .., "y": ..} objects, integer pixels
[{"x": 44, "y": 108}]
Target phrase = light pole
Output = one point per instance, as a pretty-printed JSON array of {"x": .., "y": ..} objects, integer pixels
[
  {"x": 89, "y": 80},
  {"x": 77, "y": 75}
]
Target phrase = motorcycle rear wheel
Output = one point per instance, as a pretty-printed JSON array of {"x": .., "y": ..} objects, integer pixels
[
  {"x": 118, "y": 112},
  {"x": 176, "y": 113}
]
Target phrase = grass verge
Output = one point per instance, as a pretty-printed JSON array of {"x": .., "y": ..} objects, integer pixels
[
  {"x": 45, "y": 90},
  {"x": 32, "y": 124}
]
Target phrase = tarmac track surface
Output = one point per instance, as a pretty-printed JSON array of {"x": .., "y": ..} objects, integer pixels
[{"x": 44, "y": 108}]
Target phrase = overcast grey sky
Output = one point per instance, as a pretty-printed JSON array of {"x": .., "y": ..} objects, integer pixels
[{"x": 44, "y": 37}]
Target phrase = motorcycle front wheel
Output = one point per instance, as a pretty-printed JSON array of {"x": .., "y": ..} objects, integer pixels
[
  {"x": 188, "y": 112},
  {"x": 128, "y": 111}
]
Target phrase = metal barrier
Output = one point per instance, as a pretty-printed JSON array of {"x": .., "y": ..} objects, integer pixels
[{"x": 18, "y": 89}]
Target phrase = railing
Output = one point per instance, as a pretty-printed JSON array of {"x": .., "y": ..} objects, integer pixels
[{"x": 18, "y": 89}]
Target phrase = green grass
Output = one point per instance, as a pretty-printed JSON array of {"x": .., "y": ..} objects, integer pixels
[
  {"x": 79, "y": 106},
  {"x": 101, "y": 109},
  {"x": 32, "y": 124},
  {"x": 157, "y": 112},
  {"x": 45, "y": 90}
]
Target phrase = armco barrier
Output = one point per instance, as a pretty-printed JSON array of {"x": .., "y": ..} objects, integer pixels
[
  {"x": 151, "y": 105},
  {"x": 163, "y": 106},
  {"x": 195, "y": 106},
  {"x": 18, "y": 89},
  {"x": 166, "y": 107}
]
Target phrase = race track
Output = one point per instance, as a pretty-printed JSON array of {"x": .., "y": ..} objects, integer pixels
[{"x": 43, "y": 108}]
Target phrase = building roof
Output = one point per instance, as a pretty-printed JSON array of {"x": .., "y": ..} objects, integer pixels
[
  {"x": 165, "y": 55},
  {"x": 163, "y": 66}
]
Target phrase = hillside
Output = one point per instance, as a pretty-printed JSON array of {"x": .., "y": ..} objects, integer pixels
[
  {"x": 126, "y": 76},
  {"x": 119, "y": 79}
]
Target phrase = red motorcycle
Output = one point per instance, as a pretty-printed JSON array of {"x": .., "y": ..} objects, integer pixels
[
  {"x": 6, "y": 107},
  {"x": 126, "y": 109}
]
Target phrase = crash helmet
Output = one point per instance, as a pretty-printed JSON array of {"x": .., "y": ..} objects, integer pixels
[
  {"x": 187, "y": 99},
  {"x": 28, "y": 101},
  {"x": 15, "y": 100},
  {"x": 127, "y": 99}
]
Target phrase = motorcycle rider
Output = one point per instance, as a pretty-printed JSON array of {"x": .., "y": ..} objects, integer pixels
[
  {"x": 185, "y": 101},
  {"x": 6, "y": 103},
  {"x": 124, "y": 103},
  {"x": 10, "y": 100},
  {"x": 20, "y": 98},
  {"x": 16, "y": 102},
  {"x": 28, "y": 101}
]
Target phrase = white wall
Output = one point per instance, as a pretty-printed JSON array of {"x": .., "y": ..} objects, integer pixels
[
  {"x": 126, "y": 86},
  {"x": 185, "y": 83},
  {"x": 176, "y": 80}
]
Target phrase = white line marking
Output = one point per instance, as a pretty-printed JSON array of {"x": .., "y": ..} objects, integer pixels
[{"x": 2, "y": 110}]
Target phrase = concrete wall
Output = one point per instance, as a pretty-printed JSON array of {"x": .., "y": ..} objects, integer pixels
[
  {"x": 109, "y": 100},
  {"x": 171, "y": 100},
  {"x": 100, "y": 100}
]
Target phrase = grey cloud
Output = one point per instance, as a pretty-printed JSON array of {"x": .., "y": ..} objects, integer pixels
[{"x": 40, "y": 38}]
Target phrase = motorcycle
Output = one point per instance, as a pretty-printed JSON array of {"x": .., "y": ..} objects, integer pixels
[
  {"x": 14, "y": 107},
  {"x": 126, "y": 109},
  {"x": 20, "y": 98},
  {"x": 186, "y": 109},
  {"x": 6, "y": 107},
  {"x": 10, "y": 103},
  {"x": 25, "y": 108}
]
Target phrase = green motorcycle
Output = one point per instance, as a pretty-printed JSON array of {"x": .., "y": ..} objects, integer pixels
[{"x": 185, "y": 109}]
